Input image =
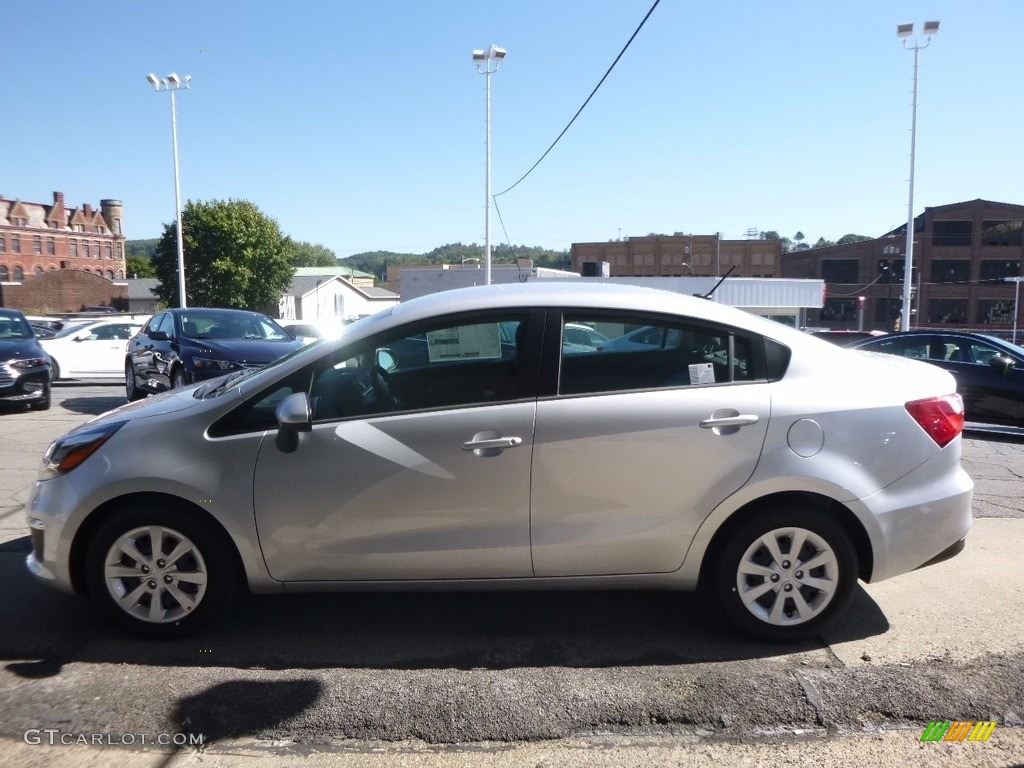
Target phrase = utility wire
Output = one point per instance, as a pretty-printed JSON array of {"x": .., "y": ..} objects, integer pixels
[{"x": 628, "y": 42}]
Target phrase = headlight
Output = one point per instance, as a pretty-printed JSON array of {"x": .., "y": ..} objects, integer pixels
[
  {"x": 24, "y": 363},
  {"x": 208, "y": 364},
  {"x": 67, "y": 452}
]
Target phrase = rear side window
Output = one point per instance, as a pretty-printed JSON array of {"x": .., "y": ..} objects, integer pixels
[{"x": 649, "y": 353}]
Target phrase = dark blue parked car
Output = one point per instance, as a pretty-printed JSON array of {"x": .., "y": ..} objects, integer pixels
[
  {"x": 24, "y": 366},
  {"x": 178, "y": 347}
]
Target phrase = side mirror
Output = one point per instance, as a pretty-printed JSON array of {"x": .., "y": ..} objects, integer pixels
[
  {"x": 158, "y": 336},
  {"x": 1000, "y": 363},
  {"x": 293, "y": 418},
  {"x": 386, "y": 359},
  {"x": 81, "y": 336}
]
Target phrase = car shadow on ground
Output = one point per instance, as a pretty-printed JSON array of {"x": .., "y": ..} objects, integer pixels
[
  {"x": 469, "y": 630},
  {"x": 93, "y": 406}
]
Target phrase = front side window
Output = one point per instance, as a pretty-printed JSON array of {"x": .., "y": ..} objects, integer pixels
[
  {"x": 649, "y": 353},
  {"x": 440, "y": 365}
]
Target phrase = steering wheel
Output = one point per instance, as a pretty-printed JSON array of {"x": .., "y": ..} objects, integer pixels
[{"x": 381, "y": 382}]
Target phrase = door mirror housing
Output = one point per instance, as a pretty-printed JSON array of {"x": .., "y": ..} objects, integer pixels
[
  {"x": 158, "y": 336},
  {"x": 293, "y": 418},
  {"x": 1001, "y": 363}
]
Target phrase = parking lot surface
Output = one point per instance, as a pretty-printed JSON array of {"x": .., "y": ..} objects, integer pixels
[{"x": 553, "y": 678}]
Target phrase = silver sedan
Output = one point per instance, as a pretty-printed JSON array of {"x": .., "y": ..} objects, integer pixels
[{"x": 451, "y": 443}]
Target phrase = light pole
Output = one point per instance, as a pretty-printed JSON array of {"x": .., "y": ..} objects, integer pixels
[
  {"x": 931, "y": 28},
  {"x": 487, "y": 63},
  {"x": 173, "y": 83},
  {"x": 1016, "y": 303}
]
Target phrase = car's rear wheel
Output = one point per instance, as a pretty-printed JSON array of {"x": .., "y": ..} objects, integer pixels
[
  {"x": 130, "y": 388},
  {"x": 178, "y": 378},
  {"x": 786, "y": 574},
  {"x": 159, "y": 571}
]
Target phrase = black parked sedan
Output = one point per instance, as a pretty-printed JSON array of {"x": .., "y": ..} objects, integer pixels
[
  {"x": 24, "y": 366},
  {"x": 178, "y": 347},
  {"x": 989, "y": 371}
]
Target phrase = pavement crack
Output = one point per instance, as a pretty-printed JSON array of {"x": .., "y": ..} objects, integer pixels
[{"x": 813, "y": 695}]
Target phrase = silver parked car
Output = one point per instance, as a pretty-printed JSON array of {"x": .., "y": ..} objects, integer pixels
[{"x": 450, "y": 442}]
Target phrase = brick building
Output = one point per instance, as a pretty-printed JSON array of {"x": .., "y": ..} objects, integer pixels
[
  {"x": 37, "y": 237},
  {"x": 963, "y": 254},
  {"x": 680, "y": 256}
]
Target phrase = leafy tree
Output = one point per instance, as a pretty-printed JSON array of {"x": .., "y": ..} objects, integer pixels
[
  {"x": 771, "y": 234},
  {"x": 141, "y": 247},
  {"x": 847, "y": 239},
  {"x": 137, "y": 265},
  {"x": 823, "y": 243},
  {"x": 235, "y": 257},
  {"x": 311, "y": 255}
]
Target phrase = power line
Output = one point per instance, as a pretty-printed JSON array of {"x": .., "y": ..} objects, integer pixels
[{"x": 628, "y": 42}]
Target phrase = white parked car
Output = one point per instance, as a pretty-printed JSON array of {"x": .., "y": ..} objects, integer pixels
[
  {"x": 91, "y": 349},
  {"x": 451, "y": 442}
]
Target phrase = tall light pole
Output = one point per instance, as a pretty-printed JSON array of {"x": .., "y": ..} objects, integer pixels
[
  {"x": 931, "y": 28},
  {"x": 487, "y": 63},
  {"x": 173, "y": 83}
]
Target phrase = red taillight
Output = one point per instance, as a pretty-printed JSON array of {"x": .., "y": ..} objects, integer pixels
[{"x": 941, "y": 417}]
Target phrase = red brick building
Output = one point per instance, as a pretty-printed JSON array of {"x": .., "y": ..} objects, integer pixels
[
  {"x": 680, "y": 256},
  {"x": 37, "y": 237}
]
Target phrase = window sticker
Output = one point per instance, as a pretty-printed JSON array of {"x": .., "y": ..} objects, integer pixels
[
  {"x": 702, "y": 373},
  {"x": 464, "y": 342}
]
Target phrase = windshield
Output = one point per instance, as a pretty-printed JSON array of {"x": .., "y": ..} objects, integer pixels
[
  {"x": 204, "y": 324},
  {"x": 14, "y": 327},
  {"x": 69, "y": 329}
]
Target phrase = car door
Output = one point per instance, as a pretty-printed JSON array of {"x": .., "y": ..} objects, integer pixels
[
  {"x": 416, "y": 470},
  {"x": 640, "y": 445},
  {"x": 992, "y": 393},
  {"x": 100, "y": 352}
]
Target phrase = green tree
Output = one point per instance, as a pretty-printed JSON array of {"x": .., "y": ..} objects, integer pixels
[
  {"x": 847, "y": 239},
  {"x": 137, "y": 265},
  {"x": 311, "y": 254},
  {"x": 235, "y": 257}
]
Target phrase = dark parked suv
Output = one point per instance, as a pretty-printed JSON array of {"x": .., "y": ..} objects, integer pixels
[
  {"x": 178, "y": 347},
  {"x": 24, "y": 366}
]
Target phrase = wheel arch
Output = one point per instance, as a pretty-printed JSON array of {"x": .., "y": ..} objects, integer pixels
[
  {"x": 834, "y": 510},
  {"x": 87, "y": 530}
]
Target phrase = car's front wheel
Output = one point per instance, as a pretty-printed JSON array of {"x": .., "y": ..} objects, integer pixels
[
  {"x": 785, "y": 574},
  {"x": 159, "y": 571},
  {"x": 178, "y": 378},
  {"x": 130, "y": 387}
]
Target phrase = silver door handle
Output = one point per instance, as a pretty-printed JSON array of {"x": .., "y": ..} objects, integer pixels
[
  {"x": 743, "y": 420},
  {"x": 495, "y": 442}
]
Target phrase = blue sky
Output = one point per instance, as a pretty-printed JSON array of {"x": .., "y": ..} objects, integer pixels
[{"x": 360, "y": 125}]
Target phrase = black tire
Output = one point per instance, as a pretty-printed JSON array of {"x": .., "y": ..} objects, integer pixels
[
  {"x": 54, "y": 371},
  {"x": 792, "y": 603},
  {"x": 130, "y": 388},
  {"x": 178, "y": 378},
  {"x": 44, "y": 404},
  {"x": 171, "y": 599}
]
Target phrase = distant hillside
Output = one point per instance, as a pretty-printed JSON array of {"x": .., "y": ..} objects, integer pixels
[
  {"x": 377, "y": 262},
  {"x": 141, "y": 247}
]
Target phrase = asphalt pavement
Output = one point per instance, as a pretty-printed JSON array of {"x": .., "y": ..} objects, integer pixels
[{"x": 523, "y": 679}]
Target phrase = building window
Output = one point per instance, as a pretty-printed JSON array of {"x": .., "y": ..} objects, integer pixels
[
  {"x": 120, "y": 251},
  {"x": 101, "y": 230},
  {"x": 891, "y": 270},
  {"x": 839, "y": 310},
  {"x": 15, "y": 244},
  {"x": 79, "y": 227},
  {"x": 73, "y": 249},
  {"x": 106, "y": 251},
  {"x": 19, "y": 273},
  {"x": 949, "y": 311},
  {"x": 95, "y": 250},
  {"x": 51, "y": 247},
  {"x": 37, "y": 245},
  {"x": 110, "y": 274},
  {"x": 839, "y": 270},
  {"x": 951, "y": 233},
  {"x": 951, "y": 271},
  {"x": 117, "y": 226},
  {"x": 1001, "y": 233},
  {"x": 3, "y": 243},
  {"x": 997, "y": 269},
  {"x": 38, "y": 270},
  {"x": 998, "y": 312},
  {"x": 4, "y": 274}
]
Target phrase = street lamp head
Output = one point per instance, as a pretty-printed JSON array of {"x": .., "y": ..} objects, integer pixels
[
  {"x": 153, "y": 80},
  {"x": 494, "y": 52},
  {"x": 931, "y": 28},
  {"x": 478, "y": 55},
  {"x": 173, "y": 79},
  {"x": 904, "y": 30}
]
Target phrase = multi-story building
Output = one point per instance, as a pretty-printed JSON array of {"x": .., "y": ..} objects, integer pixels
[
  {"x": 962, "y": 255},
  {"x": 36, "y": 238},
  {"x": 679, "y": 256}
]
